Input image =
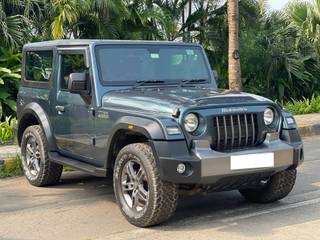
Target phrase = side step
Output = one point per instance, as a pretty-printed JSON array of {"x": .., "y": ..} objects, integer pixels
[{"x": 82, "y": 166}]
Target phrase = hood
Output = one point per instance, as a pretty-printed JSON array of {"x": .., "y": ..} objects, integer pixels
[{"x": 166, "y": 99}]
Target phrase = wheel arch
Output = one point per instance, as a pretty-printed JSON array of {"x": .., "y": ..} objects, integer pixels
[
  {"x": 128, "y": 130},
  {"x": 33, "y": 114}
]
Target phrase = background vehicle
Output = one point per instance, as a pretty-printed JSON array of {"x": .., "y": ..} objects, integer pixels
[{"x": 150, "y": 114}]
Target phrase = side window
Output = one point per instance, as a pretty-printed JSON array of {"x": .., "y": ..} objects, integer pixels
[
  {"x": 38, "y": 66},
  {"x": 71, "y": 63}
]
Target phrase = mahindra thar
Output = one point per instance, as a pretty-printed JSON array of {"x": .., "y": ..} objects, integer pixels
[{"x": 150, "y": 115}]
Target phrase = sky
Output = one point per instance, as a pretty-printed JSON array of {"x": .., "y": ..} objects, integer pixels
[{"x": 277, "y": 4}]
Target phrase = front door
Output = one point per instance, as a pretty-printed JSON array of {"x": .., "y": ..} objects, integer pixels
[{"x": 74, "y": 125}]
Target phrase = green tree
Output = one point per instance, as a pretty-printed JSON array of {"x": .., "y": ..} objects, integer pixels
[
  {"x": 13, "y": 25},
  {"x": 306, "y": 17},
  {"x": 10, "y": 69}
]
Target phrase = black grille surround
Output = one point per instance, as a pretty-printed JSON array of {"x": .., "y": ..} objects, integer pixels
[{"x": 237, "y": 131}]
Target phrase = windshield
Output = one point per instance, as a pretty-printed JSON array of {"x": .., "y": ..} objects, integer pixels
[{"x": 127, "y": 64}]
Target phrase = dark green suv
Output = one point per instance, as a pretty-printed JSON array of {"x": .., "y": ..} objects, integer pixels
[{"x": 150, "y": 115}]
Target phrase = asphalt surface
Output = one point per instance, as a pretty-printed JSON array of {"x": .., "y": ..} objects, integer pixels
[{"x": 83, "y": 207}]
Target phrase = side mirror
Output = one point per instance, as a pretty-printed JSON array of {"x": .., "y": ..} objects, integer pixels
[{"x": 78, "y": 83}]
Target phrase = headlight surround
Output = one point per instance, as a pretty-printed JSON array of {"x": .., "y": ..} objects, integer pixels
[
  {"x": 191, "y": 122},
  {"x": 268, "y": 116}
]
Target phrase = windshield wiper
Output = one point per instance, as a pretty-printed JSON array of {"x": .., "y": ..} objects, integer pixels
[
  {"x": 142, "y": 82},
  {"x": 184, "y": 82}
]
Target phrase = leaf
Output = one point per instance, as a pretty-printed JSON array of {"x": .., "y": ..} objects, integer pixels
[
  {"x": 3, "y": 94},
  {"x": 5, "y": 70},
  {"x": 12, "y": 75},
  {"x": 12, "y": 104},
  {"x": 16, "y": 70}
]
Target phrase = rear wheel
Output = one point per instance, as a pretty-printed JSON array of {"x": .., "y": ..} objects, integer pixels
[
  {"x": 276, "y": 188},
  {"x": 35, "y": 162},
  {"x": 143, "y": 198}
]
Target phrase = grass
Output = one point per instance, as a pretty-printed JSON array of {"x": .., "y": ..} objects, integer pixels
[
  {"x": 12, "y": 167},
  {"x": 304, "y": 106},
  {"x": 7, "y": 130}
]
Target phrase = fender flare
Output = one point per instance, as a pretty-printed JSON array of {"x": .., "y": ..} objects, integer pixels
[
  {"x": 149, "y": 128},
  {"x": 37, "y": 111}
]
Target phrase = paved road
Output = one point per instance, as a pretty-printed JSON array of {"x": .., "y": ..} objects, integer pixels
[{"x": 83, "y": 207}]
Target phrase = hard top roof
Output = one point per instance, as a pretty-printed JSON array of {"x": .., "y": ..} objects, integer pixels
[{"x": 85, "y": 42}]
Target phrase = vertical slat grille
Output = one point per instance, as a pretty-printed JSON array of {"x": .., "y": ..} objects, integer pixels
[{"x": 235, "y": 131}]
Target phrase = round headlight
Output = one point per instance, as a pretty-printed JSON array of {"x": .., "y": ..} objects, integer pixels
[
  {"x": 191, "y": 122},
  {"x": 268, "y": 116}
]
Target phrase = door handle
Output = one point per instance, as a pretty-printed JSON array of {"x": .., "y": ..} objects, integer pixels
[{"x": 60, "y": 108}]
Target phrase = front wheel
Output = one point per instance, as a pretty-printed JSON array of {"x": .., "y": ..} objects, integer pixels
[
  {"x": 144, "y": 199},
  {"x": 276, "y": 188}
]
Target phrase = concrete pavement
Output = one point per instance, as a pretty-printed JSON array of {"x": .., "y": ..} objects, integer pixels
[{"x": 83, "y": 207}]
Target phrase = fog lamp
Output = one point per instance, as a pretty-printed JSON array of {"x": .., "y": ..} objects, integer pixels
[{"x": 181, "y": 168}]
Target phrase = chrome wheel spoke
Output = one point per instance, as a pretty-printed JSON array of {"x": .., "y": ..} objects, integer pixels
[
  {"x": 130, "y": 171},
  {"x": 134, "y": 184},
  {"x": 29, "y": 150},
  {"x": 32, "y": 156},
  {"x": 36, "y": 165},
  {"x": 33, "y": 144},
  {"x": 135, "y": 200},
  {"x": 142, "y": 194},
  {"x": 140, "y": 174},
  {"x": 29, "y": 162}
]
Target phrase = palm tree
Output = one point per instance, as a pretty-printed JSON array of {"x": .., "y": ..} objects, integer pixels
[
  {"x": 86, "y": 18},
  {"x": 13, "y": 25},
  {"x": 306, "y": 17},
  {"x": 233, "y": 50}
]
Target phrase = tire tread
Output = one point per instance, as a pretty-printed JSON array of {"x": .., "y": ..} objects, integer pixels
[
  {"x": 165, "y": 195},
  {"x": 279, "y": 186}
]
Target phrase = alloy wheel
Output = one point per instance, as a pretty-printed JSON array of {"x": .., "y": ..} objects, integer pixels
[
  {"x": 32, "y": 156},
  {"x": 135, "y": 187}
]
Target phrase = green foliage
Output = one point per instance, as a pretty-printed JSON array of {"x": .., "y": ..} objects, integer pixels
[
  {"x": 305, "y": 16},
  {"x": 304, "y": 106},
  {"x": 7, "y": 130},
  {"x": 11, "y": 168},
  {"x": 279, "y": 50},
  {"x": 10, "y": 68}
]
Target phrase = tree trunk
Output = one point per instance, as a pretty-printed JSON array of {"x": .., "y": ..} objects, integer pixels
[
  {"x": 189, "y": 14},
  {"x": 183, "y": 22},
  {"x": 234, "y": 69}
]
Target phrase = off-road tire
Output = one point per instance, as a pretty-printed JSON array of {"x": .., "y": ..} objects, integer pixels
[
  {"x": 278, "y": 187},
  {"x": 163, "y": 196},
  {"x": 50, "y": 172}
]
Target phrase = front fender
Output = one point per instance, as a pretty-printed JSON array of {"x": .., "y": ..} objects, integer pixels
[
  {"x": 152, "y": 129},
  {"x": 149, "y": 128}
]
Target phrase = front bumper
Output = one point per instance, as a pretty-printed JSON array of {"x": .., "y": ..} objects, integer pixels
[{"x": 206, "y": 166}]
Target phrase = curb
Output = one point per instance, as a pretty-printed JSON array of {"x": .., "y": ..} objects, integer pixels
[
  {"x": 308, "y": 131},
  {"x": 10, "y": 153}
]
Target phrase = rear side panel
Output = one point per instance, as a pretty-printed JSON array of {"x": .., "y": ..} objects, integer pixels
[{"x": 34, "y": 97}]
